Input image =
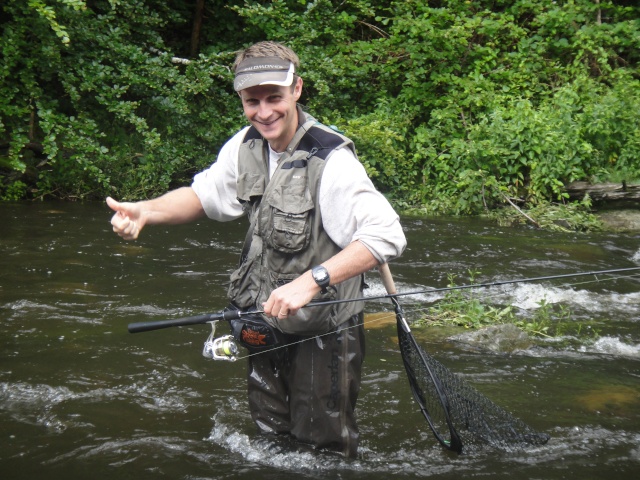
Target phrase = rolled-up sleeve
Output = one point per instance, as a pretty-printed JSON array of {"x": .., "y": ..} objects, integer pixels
[
  {"x": 216, "y": 186},
  {"x": 352, "y": 209}
]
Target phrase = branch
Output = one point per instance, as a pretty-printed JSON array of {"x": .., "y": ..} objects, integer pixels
[
  {"x": 179, "y": 60},
  {"x": 520, "y": 211},
  {"x": 378, "y": 30}
]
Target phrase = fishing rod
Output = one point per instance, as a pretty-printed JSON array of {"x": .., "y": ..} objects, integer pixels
[
  {"x": 228, "y": 315},
  {"x": 459, "y": 416}
]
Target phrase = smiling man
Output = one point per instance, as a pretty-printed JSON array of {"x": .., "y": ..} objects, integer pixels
[
  {"x": 317, "y": 224},
  {"x": 271, "y": 108}
]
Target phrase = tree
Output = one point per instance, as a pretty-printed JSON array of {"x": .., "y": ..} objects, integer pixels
[
  {"x": 454, "y": 106},
  {"x": 91, "y": 101}
]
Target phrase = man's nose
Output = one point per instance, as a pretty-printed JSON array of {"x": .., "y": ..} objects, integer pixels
[{"x": 264, "y": 110}]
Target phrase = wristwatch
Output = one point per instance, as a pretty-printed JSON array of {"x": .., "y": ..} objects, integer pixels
[{"x": 321, "y": 276}]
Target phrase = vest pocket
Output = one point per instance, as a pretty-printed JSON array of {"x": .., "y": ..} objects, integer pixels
[
  {"x": 290, "y": 232},
  {"x": 245, "y": 281},
  {"x": 243, "y": 287},
  {"x": 290, "y": 219}
]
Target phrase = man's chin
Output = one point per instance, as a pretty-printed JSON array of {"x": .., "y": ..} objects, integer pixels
[{"x": 269, "y": 133}]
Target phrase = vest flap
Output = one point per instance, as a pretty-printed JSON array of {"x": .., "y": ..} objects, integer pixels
[
  {"x": 290, "y": 199},
  {"x": 251, "y": 185}
]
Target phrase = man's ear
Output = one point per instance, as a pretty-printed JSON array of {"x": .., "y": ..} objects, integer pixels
[{"x": 297, "y": 90}]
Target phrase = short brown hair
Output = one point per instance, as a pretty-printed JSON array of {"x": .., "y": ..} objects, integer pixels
[{"x": 267, "y": 49}]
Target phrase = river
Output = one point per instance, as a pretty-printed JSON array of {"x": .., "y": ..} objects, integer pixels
[{"x": 80, "y": 397}]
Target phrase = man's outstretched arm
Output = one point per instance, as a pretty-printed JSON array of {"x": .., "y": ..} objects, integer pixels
[{"x": 175, "y": 207}]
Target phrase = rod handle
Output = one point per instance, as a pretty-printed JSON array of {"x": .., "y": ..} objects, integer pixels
[{"x": 179, "y": 322}]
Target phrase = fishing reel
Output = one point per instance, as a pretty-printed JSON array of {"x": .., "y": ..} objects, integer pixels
[{"x": 221, "y": 348}]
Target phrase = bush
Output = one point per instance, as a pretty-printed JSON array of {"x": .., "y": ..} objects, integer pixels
[
  {"x": 90, "y": 103},
  {"x": 454, "y": 106}
]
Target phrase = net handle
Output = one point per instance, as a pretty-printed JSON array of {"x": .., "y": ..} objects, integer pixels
[
  {"x": 390, "y": 286},
  {"x": 387, "y": 279}
]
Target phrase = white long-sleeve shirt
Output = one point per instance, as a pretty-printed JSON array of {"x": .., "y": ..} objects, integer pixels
[{"x": 351, "y": 207}]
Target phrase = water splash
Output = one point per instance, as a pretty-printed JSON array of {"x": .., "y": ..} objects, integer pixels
[
  {"x": 612, "y": 346},
  {"x": 275, "y": 452},
  {"x": 530, "y": 296}
]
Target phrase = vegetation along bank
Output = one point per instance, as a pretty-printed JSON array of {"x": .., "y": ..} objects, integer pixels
[{"x": 456, "y": 107}]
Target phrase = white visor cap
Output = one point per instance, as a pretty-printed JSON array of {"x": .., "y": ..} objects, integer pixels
[{"x": 263, "y": 71}]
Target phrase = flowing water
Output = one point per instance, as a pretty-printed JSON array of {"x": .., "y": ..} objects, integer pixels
[{"x": 80, "y": 397}]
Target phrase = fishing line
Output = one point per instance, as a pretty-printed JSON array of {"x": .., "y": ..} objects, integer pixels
[
  {"x": 320, "y": 335},
  {"x": 214, "y": 317},
  {"x": 477, "y": 285},
  {"x": 422, "y": 309},
  {"x": 506, "y": 294},
  {"x": 226, "y": 315},
  {"x": 137, "y": 327}
]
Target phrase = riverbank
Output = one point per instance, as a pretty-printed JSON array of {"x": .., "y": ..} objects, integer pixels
[
  {"x": 616, "y": 204},
  {"x": 624, "y": 220}
]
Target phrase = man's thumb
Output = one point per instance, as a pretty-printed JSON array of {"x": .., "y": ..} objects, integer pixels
[{"x": 113, "y": 204}]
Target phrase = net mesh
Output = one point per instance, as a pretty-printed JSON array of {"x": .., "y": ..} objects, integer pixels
[{"x": 457, "y": 413}]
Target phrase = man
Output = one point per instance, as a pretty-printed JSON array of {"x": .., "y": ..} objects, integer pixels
[{"x": 316, "y": 225}]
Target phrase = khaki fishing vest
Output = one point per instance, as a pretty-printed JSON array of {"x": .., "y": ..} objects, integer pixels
[{"x": 286, "y": 237}]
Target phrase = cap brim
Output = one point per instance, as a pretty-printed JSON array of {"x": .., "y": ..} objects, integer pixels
[{"x": 278, "y": 76}]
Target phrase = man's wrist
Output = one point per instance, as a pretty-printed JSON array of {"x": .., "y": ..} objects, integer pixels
[{"x": 321, "y": 276}]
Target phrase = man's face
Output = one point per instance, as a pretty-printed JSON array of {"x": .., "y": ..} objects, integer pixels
[{"x": 272, "y": 110}]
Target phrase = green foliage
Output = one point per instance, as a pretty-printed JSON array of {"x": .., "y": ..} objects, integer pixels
[
  {"x": 465, "y": 309},
  {"x": 13, "y": 191},
  {"x": 90, "y": 104},
  {"x": 454, "y": 106},
  {"x": 522, "y": 113},
  {"x": 380, "y": 140}
]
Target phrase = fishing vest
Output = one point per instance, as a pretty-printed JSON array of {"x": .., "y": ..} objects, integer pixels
[{"x": 286, "y": 237}]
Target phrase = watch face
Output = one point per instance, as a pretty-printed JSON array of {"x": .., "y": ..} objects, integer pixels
[{"x": 321, "y": 276}]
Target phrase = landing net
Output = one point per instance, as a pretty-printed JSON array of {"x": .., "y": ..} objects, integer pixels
[{"x": 457, "y": 413}]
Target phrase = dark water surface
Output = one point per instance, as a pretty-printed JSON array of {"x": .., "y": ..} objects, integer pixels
[{"x": 80, "y": 397}]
